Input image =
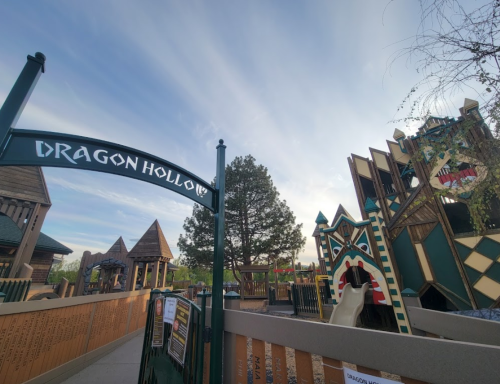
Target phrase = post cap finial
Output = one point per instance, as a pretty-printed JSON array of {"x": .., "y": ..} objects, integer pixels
[
  {"x": 40, "y": 56},
  {"x": 221, "y": 141}
]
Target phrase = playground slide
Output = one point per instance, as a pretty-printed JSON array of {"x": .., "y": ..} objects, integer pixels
[{"x": 350, "y": 306}]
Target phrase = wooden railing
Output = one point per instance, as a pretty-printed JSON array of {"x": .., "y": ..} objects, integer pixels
[
  {"x": 5, "y": 267},
  {"x": 40, "y": 336},
  {"x": 182, "y": 284},
  {"x": 255, "y": 289},
  {"x": 15, "y": 289},
  {"x": 308, "y": 352}
]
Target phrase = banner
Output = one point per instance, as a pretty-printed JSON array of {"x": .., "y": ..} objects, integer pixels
[
  {"x": 158, "y": 323},
  {"x": 180, "y": 332},
  {"x": 353, "y": 377}
]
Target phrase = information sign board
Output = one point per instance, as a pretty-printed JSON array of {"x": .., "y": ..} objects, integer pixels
[
  {"x": 180, "y": 332},
  {"x": 158, "y": 323},
  {"x": 170, "y": 306}
]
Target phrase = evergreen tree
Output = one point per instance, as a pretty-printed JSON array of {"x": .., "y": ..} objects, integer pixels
[{"x": 260, "y": 228}]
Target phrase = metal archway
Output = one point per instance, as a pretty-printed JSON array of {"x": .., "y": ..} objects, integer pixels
[{"x": 38, "y": 148}]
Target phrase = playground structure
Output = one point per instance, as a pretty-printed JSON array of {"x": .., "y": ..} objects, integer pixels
[
  {"x": 121, "y": 270},
  {"x": 410, "y": 237},
  {"x": 26, "y": 253}
]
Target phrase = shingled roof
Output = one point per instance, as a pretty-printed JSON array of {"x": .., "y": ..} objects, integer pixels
[
  {"x": 11, "y": 235},
  {"x": 152, "y": 245},
  {"x": 24, "y": 183},
  {"x": 340, "y": 211}
]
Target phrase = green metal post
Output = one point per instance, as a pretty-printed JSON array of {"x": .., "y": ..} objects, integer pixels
[
  {"x": 19, "y": 95},
  {"x": 217, "y": 299},
  {"x": 201, "y": 350}
]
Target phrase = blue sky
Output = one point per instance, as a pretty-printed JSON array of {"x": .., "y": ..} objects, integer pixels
[{"x": 300, "y": 85}]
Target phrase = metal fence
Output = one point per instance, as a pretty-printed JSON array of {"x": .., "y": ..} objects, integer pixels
[
  {"x": 305, "y": 298},
  {"x": 157, "y": 365}
]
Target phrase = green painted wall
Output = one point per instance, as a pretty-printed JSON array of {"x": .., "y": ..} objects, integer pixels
[
  {"x": 443, "y": 263},
  {"x": 407, "y": 262}
]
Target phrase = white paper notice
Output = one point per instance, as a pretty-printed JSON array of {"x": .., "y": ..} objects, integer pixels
[
  {"x": 353, "y": 377},
  {"x": 169, "y": 313}
]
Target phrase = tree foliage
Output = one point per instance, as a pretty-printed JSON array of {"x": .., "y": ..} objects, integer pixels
[
  {"x": 456, "y": 50},
  {"x": 69, "y": 270},
  {"x": 260, "y": 228}
]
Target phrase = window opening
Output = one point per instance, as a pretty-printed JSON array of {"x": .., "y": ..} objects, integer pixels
[
  {"x": 458, "y": 215},
  {"x": 368, "y": 187},
  {"x": 387, "y": 183},
  {"x": 407, "y": 174}
]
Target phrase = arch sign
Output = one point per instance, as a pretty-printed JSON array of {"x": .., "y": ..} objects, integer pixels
[{"x": 22, "y": 147}]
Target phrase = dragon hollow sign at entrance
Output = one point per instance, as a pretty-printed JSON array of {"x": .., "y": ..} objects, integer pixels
[{"x": 38, "y": 148}]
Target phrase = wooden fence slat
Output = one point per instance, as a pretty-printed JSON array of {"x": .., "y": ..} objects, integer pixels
[
  {"x": 303, "y": 364},
  {"x": 206, "y": 364},
  {"x": 259, "y": 361},
  {"x": 33, "y": 342},
  {"x": 333, "y": 370},
  {"x": 241, "y": 360},
  {"x": 280, "y": 373}
]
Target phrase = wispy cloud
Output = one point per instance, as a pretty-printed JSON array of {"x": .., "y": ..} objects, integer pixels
[{"x": 299, "y": 88}]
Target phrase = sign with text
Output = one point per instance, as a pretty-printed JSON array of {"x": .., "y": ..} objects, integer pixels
[
  {"x": 353, "y": 377},
  {"x": 158, "y": 322},
  {"x": 170, "y": 306},
  {"x": 180, "y": 332},
  {"x": 50, "y": 149}
]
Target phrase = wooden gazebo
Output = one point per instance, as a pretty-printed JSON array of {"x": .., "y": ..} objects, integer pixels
[{"x": 151, "y": 250}]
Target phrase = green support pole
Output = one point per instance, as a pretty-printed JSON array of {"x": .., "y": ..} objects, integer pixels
[
  {"x": 19, "y": 95},
  {"x": 201, "y": 349},
  {"x": 217, "y": 299}
]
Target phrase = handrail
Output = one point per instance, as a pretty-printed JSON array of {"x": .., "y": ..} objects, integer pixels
[
  {"x": 426, "y": 359},
  {"x": 455, "y": 327}
]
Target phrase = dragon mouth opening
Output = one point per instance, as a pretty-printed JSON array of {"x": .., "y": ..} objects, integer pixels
[{"x": 466, "y": 174}]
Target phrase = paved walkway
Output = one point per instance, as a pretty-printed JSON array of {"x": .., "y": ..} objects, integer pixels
[{"x": 119, "y": 367}]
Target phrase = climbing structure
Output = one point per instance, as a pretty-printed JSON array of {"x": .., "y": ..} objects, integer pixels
[{"x": 416, "y": 229}]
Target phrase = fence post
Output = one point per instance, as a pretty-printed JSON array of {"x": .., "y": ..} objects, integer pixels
[
  {"x": 201, "y": 299},
  {"x": 26, "y": 271},
  {"x": 232, "y": 301},
  {"x": 63, "y": 286},
  {"x": 293, "y": 288},
  {"x": 411, "y": 299},
  {"x": 191, "y": 292}
]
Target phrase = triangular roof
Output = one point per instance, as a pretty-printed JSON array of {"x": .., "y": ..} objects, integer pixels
[
  {"x": 370, "y": 206},
  {"x": 340, "y": 211},
  {"x": 24, "y": 183},
  {"x": 11, "y": 235},
  {"x": 469, "y": 103},
  {"x": 118, "y": 247},
  {"x": 321, "y": 219},
  {"x": 316, "y": 231},
  {"x": 398, "y": 134},
  {"x": 152, "y": 245}
]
